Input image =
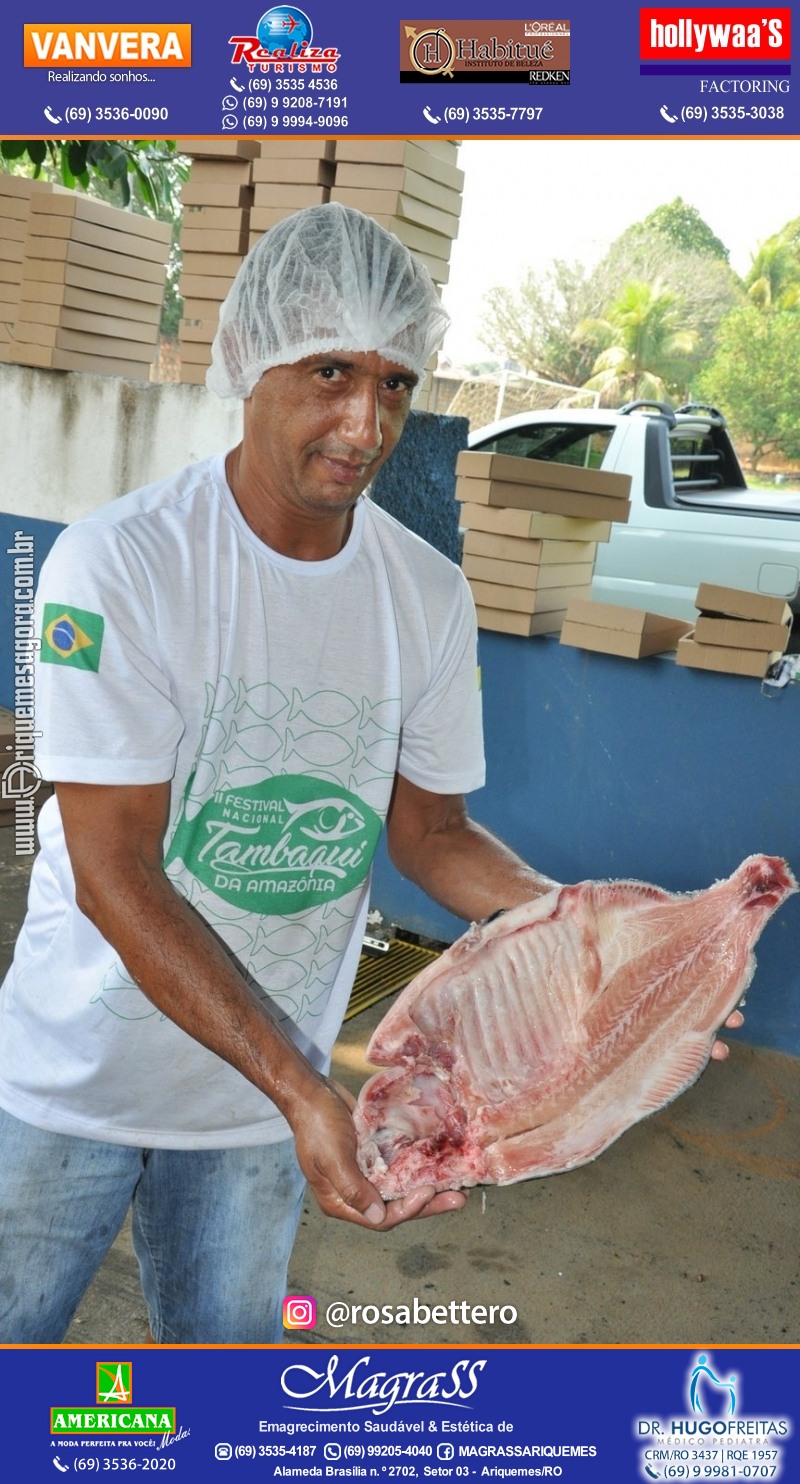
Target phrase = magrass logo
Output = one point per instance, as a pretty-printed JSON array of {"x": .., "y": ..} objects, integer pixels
[
  {"x": 114, "y": 1414},
  {"x": 284, "y": 42},
  {"x": 71, "y": 636}
]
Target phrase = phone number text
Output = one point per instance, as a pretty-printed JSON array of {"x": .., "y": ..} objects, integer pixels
[{"x": 116, "y": 114}]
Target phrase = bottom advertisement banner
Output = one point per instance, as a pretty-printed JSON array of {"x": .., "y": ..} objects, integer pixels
[{"x": 582, "y": 1415}]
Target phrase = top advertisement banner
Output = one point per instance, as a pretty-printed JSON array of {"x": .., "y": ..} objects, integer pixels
[{"x": 249, "y": 71}]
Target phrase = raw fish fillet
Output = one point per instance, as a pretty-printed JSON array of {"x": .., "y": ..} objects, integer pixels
[{"x": 538, "y": 1038}]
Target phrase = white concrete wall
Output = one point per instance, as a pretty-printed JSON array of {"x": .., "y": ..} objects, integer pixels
[{"x": 72, "y": 441}]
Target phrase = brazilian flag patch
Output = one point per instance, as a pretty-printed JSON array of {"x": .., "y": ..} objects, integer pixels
[{"x": 72, "y": 636}]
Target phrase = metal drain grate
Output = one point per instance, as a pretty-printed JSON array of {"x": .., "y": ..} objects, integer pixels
[{"x": 381, "y": 974}]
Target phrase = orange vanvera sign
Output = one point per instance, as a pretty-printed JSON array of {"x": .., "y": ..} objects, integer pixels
[{"x": 119, "y": 45}]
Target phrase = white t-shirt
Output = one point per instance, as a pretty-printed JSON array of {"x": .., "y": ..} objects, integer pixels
[{"x": 278, "y": 697}]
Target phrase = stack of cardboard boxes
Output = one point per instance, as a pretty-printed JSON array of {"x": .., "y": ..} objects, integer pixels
[
  {"x": 91, "y": 287},
  {"x": 411, "y": 188},
  {"x": 608, "y": 628},
  {"x": 215, "y": 235},
  {"x": 240, "y": 188},
  {"x": 15, "y": 197},
  {"x": 288, "y": 175},
  {"x": 737, "y": 632},
  {"x": 532, "y": 529}
]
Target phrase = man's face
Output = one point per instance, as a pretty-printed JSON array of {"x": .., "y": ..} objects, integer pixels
[{"x": 318, "y": 431}]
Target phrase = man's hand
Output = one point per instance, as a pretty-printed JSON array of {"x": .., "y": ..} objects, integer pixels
[{"x": 325, "y": 1143}]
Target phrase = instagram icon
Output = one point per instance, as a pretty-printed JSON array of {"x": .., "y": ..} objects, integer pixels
[{"x": 299, "y": 1313}]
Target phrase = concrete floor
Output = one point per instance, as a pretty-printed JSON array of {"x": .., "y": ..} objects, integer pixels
[{"x": 684, "y": 1232}]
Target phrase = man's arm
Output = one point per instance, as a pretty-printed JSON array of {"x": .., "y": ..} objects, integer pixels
[
  {"x": 114, "y": 837},
  {"x": 433, "y": 842}
]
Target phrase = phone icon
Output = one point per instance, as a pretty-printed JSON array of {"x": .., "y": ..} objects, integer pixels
[
  {"x": 431, "y": 117},
  {"x": 54, "y": 119},
  {"x": 61, "y": 1466},
  {"x": 237, "y": 87},
  {"x": 671, "y": 118}
]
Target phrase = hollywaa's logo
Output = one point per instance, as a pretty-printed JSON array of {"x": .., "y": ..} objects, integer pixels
[
  {"x": 717, "y": 34},
  {"x": 359, "y": 1389},
  {"x": 283, "y": 43}
]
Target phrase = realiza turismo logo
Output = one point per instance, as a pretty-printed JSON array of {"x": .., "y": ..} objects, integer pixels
[{"x": 284, "y": 42}]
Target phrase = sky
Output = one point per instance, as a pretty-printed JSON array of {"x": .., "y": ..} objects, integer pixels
[{"x": 527, "y": 202}]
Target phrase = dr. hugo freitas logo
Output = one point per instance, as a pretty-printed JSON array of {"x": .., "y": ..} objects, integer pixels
[{"x": 713, "y": 1427}]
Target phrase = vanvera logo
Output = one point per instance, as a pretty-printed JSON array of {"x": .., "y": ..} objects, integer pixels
[
  {"x": 718, "y": 34},
  {"x": 70, "y": 45},
  {"x": 358, "y": 1389}
]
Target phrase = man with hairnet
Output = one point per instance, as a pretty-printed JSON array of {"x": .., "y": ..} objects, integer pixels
[{"x": 247, "y": 670}]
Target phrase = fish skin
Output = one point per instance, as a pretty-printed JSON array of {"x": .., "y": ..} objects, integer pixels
[{"x": 539, "y": 1037}]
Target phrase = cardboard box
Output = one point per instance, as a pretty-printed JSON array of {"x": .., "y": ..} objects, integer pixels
[
  {"x": 22, "y": 187},
  {"x": 52, "y": 358},
  {"x": 200, "y": 239},
  {"x": 524, "y": 624},
  {"x": 195, "y": 353},
  {"x": 73, "y": 204},
  {"x": 509, "y": 469},
  {"x": 752, "y": 662},
  {"x": 227, "y": 172},
  {"x": 11, "y": 251},
  {"x": 394, "y": 178},
  {"x": 219, "y": 149},
  {"x": 544, "y": 498},
  {"x": 219, "y": 194},
  {"x": 734, "y": 602},
  {"x": 297, "y": 149},
  {"x": 198, "y": 329},
  {"x": 215, "y": 218},
  {"x": 50, "y": 282},
  {"x": 525, "y": 600},
  {"x": 206, "y": 286},
  {"x": 391, "y": 203},
  {"x": 632, "y": 633},
  {"x": 43, "y": 229},
  {"x": 524, "y": 574},
  {"x": 415, "y": 237},
  {"x": 398, "y": 151},
  {"x": 33, "y": 318},
  {"x": 13, "y": 229},
  {"x": 60, "y": 251},
  {"x": 289, "y": 198},
  {"x": 221, "y": 265},
  {"x": 529, "y": 525},
  {"x": 535, "y": 552},
  {"x": 741, "y": 633},
  {"x": 193, "y": 375},
  {"x": 293, "y": 170},
  {"x": 87, "y": 343}
]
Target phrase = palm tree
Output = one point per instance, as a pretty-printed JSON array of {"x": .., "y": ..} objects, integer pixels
[
  {"x": 643, "y": 348},
  {"x": 774, "y": 278}
]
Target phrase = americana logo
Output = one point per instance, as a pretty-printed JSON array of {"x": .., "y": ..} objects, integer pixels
[{"x": 72, "y": 636}]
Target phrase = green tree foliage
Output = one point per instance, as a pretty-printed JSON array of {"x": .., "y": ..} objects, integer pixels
[
  {"x": 533, "y": 326},
  {"x": 644, "y": 348},
  {"x": 537, "y": 325},
  {"x": 774, "y": 278},
  {"x": 753, "y": 376},
  {"x": 684, "y": 227}
]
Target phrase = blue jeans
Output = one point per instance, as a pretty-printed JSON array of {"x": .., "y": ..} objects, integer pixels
[{"x": 213, "y": 1231}]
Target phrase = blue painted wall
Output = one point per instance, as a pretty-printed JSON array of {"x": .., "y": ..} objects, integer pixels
[{"x": 604, "y": 767}]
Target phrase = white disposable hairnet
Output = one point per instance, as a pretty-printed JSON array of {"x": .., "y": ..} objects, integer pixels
[{"x": 326, "y": 279}]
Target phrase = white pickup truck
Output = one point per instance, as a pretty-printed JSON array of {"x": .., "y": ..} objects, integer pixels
[{"x": 693, "y": 518}]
